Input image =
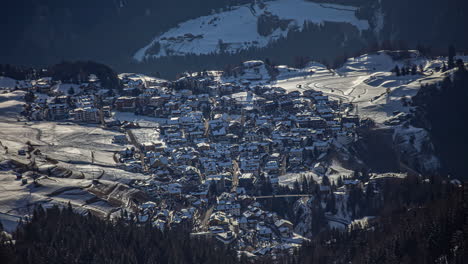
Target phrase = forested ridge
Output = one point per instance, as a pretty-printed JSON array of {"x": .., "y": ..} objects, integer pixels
[
  {"x": 69, "y": 72},
  {"x": 441, "y": 109},
  {"x": 42, "y": 32},
  {"x": 436, "y": 232},
  {"x": 62, "y": 236}
]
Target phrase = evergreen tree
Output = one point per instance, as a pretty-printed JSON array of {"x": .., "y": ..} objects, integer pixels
[
  {"x": 339, "y": 182},
  {"x": 305, "y": 185},
  {"x": 325, "y": 181},
  {"x": 331, "y": 204},
  {"x": 71, "y": 91},
  {"x": 213, "y": 189},
  {"x": 414, "y": 70},
  {"x": 451, "y": 58},
  {"x": 29, "y": 97},
  {"x": 319, "y": 220},
  {"x": 397, "y": 71},
  {"x": 460, "y": 65},
  {"x": 444, "y": 67},
  {"x": 296, "y": 187},
  {"x": 403, "y": 71},
  {"x": 365, "y": 175},
  {"x": 356, "y": 175}
]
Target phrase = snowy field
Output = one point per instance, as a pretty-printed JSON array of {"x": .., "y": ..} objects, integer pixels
[
  {"x": 70, "y": 146},
  {"x": 236, "y": 29},
  {"x": 368, "y": 83}
]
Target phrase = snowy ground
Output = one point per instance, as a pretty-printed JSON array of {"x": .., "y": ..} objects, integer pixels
[
  {"x": 236, "y": 29},
  {"x": 140, "y": 119},
  {"x": 365, "y": 81},
  {"x": 144, "y": 78},
  {"x": 289, "y": 178},
  {"x": 71, "y": 146}
]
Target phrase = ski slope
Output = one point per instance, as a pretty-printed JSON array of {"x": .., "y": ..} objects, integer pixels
[{"x": 236, "y": 29}]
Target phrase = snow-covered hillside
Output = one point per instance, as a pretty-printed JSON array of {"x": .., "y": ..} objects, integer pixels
[
  {"x": 368, "y": 83},
  {"x": 7, "y": 83},
  {"x": 142, "y": 77},
  {"x": 236, "y": 29}
]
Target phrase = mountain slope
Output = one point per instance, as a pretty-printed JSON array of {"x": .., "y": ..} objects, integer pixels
[
  {"x": 42, "y": 32},
  {"x": 241, "y": 28}
]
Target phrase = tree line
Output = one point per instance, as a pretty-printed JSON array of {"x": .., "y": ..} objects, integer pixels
[
  {"x": 441, "y": 109},
  {"x": 57, "y": 235},
  {"x": 435, "y": 232},
  {"x": 69, "y": 72}
]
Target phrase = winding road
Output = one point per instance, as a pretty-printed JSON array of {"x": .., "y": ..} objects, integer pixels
[{"x": 341, "y": 88}]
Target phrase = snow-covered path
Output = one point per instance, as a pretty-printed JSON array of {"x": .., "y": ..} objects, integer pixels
[{"x": 337, "y": 87}]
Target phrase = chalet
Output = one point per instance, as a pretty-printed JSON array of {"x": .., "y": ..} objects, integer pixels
[
  {"x": 58, "y": 111},
  {"x": 250, "y": 165},
  {"x": 229, "y": 207},
  {"x": 296, "y": 156},
  {"x": 143, "y": 99},
  {"x": 284, "y": 227},
  {"x": 125, "y": 104},
  {"x": 219, "y": 219},
  {"x": 264, "y": 231},
  {"x": 350, "y": 119},
  {"x": 158, "y": 100},
  {"x": 43, "y": 85},
  {"x": 106, "y": 111},
  {"x": 312, "y": 122},
  {"x": 272, "y": 168},
  {"x": 321, "y": 146},
  {"x": 88, "y": 115},
  {"x": 226, "y": 237}
]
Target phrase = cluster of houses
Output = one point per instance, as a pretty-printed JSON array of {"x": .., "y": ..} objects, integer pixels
[
  {"x": 54, "y": 100},
  {"x": 240, "y": 221},
  {"x": 214, "y": 145},
  {"x": 231, "y": 136},
  {"x": 235, "y": 220}
]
